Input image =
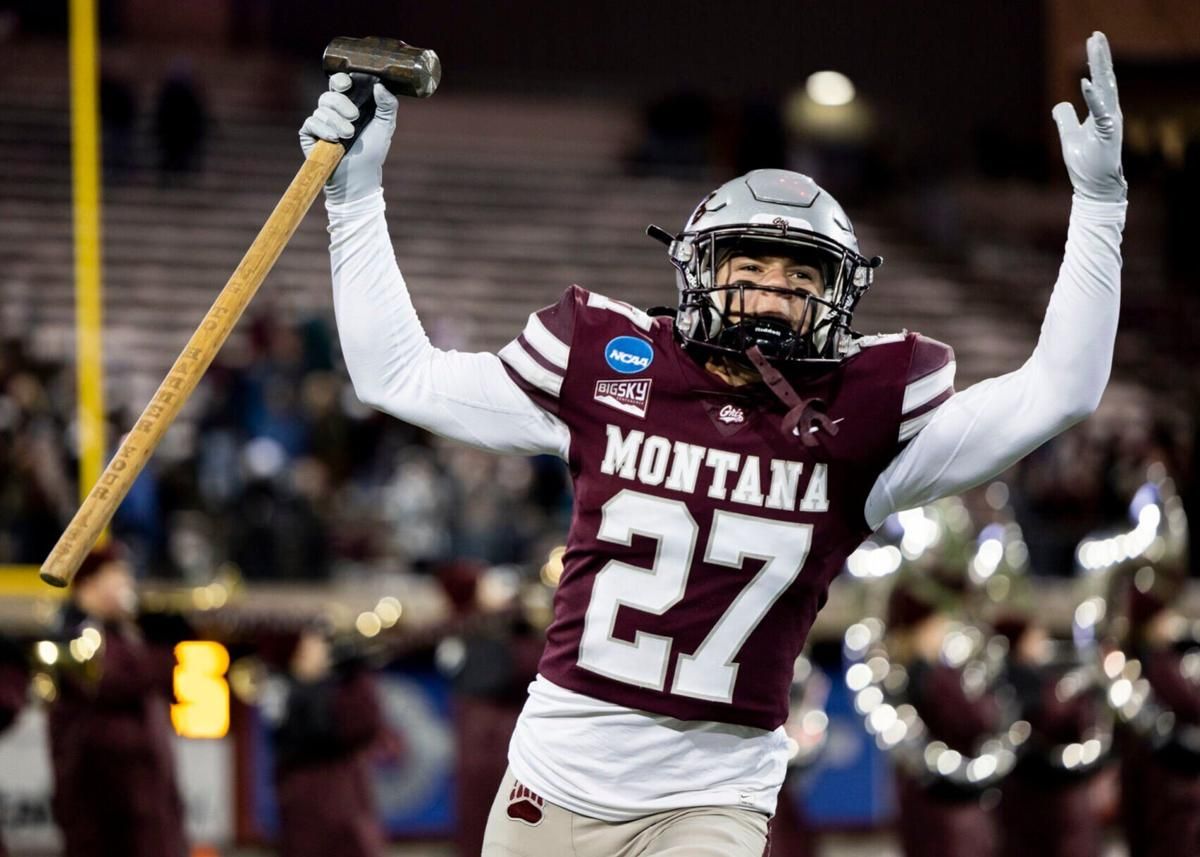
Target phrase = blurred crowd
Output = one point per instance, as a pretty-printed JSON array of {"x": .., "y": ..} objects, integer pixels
[{"x": 276, "y": 468}]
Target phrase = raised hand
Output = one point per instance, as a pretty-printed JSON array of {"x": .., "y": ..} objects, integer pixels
[
  {"x": 1092, "y": 150},
  {"x": 361, "y": 171}
]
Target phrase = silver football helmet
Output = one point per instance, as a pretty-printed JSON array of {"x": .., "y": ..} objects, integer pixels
[{"x": 767, "y": 212}]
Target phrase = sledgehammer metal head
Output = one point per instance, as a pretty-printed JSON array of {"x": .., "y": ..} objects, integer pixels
[{"x": 402, "y": 68}]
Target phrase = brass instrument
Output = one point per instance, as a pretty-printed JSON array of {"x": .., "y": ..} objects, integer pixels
[{"x": 1142, "y": 567}]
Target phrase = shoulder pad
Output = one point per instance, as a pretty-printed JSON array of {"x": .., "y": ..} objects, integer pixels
[
  {"x": 929, "y": 356},
  {"x": 875, "y": 339},
  {"x": 639, "y": 317}
]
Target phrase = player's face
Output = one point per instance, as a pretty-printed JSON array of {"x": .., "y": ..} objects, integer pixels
[{"x": 795, "y": 279}]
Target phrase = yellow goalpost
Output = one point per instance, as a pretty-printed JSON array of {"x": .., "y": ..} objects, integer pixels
[{"x": 85, "y": 202}]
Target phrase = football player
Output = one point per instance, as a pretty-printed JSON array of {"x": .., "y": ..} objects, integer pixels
[{"x": 725, "y": 463}]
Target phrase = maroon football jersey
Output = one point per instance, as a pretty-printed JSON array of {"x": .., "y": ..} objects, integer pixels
[{"x": 703, "y": 539}]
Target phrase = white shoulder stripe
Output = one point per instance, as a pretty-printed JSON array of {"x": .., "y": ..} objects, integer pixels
[
  {"x": 926, "y": 389},
  {"x": 546, "y": 343},
  {"x": 859, "y": 343},
  {"x": 641, "y": 319},
  {"x": 529, "y": 369},
  {"x": 871, "y": 340},
  {"x": 910, "y": 428}
]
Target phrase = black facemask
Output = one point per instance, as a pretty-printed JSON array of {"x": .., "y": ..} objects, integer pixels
[{"x": 776, "y": 338}]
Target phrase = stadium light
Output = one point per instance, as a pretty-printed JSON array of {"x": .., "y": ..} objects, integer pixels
[{"x": 829, "y": 88}]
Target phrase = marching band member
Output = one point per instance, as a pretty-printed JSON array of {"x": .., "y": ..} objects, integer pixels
[
  {"x": 1052, "y": 802},
  {"x": 326, "y": 718},
  {"x": 115, "y": 792},
  {"x": 1160, "y": 771}
]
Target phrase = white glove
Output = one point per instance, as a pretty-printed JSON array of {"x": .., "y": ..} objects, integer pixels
[
  {"x": 361, "y": 171},
  {"x": 1092, "y": 151}
]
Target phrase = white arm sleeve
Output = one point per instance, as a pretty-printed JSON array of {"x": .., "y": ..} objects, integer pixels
[
  {"x": 394, "y": 367},
  {"x": 984, "y": 429}
]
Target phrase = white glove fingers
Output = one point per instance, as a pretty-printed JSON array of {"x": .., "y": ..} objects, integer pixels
[
  {"x": 314, "y": 126},
  {"x": 1101, "y": 111},
  {"x": 340, "y": 82},
  {"x": 385, "y": 102},
  {"x": 1065, "y": 117},
  {"x": 1100, "y": 64},
  {"x": 1091, "y": 97},
  {"x": 343, "y": 126},
  {"x": 1100, "y": 68},
  {"x": 338, "y": 104}
]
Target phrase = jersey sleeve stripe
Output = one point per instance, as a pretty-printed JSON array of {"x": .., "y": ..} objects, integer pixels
[
  {"x": 639, "y": 317},
  {"x": 910, "y": 428},
  {"x": 529, "y": 370},
  {"x": 924, "y": 390},
  {"x": 545, "y": 343}
]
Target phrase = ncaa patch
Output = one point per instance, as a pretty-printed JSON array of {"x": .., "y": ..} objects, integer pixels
[
  {"x": 632, "y": 395},
  {"x": 525, "y": 805},
  {"x": 628, "y": 354}
]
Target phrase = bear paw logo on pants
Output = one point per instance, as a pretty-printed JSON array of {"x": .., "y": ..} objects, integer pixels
[{"x": 525, "y": 805}]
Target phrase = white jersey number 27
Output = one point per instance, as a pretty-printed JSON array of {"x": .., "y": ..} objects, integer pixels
[{"x": 711, "y": 671}]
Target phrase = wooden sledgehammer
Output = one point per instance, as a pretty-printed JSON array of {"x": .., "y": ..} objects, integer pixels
[{"x": 404, "y": 70}]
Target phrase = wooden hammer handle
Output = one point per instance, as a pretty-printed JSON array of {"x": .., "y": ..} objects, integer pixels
[{"x": 141, "y": 441}]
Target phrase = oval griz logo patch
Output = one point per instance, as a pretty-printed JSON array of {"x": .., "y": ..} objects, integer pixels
[{"x": 628, "y": 354}]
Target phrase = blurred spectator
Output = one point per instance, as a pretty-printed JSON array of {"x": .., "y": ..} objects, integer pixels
[
  {"x": 14, "y": 683},
  {"x": 180, "y": 124},
  {"x": 678, "y": 137},
  {"x": 418, "y": 506},
  {"x": 490, "y": 666},
  {"x": 36, "y": 495},
  {"x": 761, "y": 140},
  {"x": 110, "y": 732},
  {"x": 327, "y": 719},
  {"x": 1059, "y": 494},
  {"x": 272, "y": 390},
  {"x": 491, "y": 524},
  {"x": 1182, "y": 188},
  {"x": 278, "y": 533},
  {"x": 118, "y": 120}
]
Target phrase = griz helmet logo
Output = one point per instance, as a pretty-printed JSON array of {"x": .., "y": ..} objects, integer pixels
[{"x": 628, "y": 354}]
